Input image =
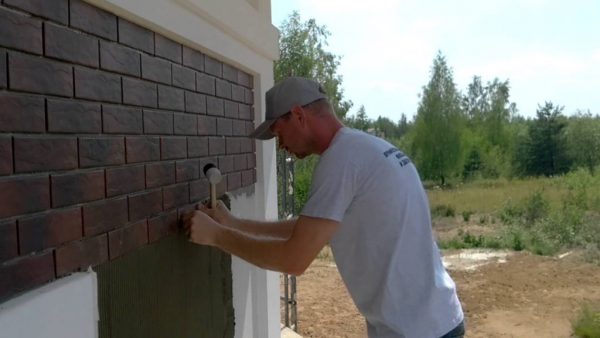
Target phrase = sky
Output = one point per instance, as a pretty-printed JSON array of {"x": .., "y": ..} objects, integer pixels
[{"x": 549, "y": 50}]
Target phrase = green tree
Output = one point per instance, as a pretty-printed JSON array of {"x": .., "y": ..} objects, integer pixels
[
  {"x": 361, "y": 121},
  {"x": 583, "y": 140},
  {"x": 437, "y": 142}
]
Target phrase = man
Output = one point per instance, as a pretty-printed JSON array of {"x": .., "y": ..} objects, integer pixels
[{"x": 367, "y": 201}]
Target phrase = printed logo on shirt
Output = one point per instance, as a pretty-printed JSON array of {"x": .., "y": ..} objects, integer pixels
[{"x": 402, "y": 159}]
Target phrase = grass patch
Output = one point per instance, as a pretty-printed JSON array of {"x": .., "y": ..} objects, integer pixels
[{"x": 587, "y": 325}]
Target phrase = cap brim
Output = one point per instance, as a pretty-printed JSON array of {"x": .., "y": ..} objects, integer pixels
[{"x": 263, "y": 131}]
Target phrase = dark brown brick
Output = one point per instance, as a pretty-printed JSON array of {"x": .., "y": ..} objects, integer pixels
[
  {"x": 231, "y": 109},
  {"x": 248, "y": 97},
  {"x": 183, "y": 211},
  {"x": 247, "y": 178},
  {"x": 135, "y": 36},
  {"x": 158, "y": 122},
  {"x": 101, "y": 151},
  {"x": 244, "y": 112},
  {"x": 233, "y": 145},
  {"x": 127, "y": 239},
  {"x": 140, "y": 93},
  {"x": 119, "y": 59},
  {"x": 74, "y": 116},
  {"x": 49, "y": 229},
  {"x": 238, "y": 128},
  {"x": 234, "y": 181},
  {"x": 230, "y": 73},
  {"x": 3, "y": 71},
  {"x": 216, "y": 145},
  {"x": 195, "y": 103},
  {"x": 213, "y": 67},
  {"x": 57, "y": 10},
  {"x": 207, "y": 125},
  {"x": 197, "y": 146},
  {"x": 170, "y": 98},
  {"x": 238, "y": 94},
  {"x": 79, "y": 187},
  {"x": 38, "y": 75},
  {"x": 24, "y": 194},
  {"x": 251, "y": 160},
  {"x": 249, "y": 128},
  {"x": 173, "y": 148},
  {"x": 21, "y": 113},
  {"x": 223, "y": 89},
  {"x": 187, "y": 170},
  {"x": 79, "y": 255},
  {"x": 25, "y": 273},
  {"x": 159, "y": 174},
  {"x": 122, "y": 120},
  {"x": 162, "y": 226},
  {"x": 205, "y": 84},
  {"x": 225, "y": 164},
  {"x": 142, "y": 148},
  {"x": 245, "y": 79},
  {"x": 93, "y": 20},
  {"x": 246, "y": 145},
  {"x": 20, "y": 32},
  {"x": 199, "y": 190},
  {"x": 167, "y": 48},
  {"x": 184, "y": 77},
  {"x": 193, "y": 59},
  {"x": 6, "y": 158},
  {"x": 124, "y": 180},
  {"x": 8, "y": 240},
  {"x": 156, "y": 69},
  {"x": 214, "y": 106},
  {"x": 145, "y": 204},
  {"x": 69, "y": 45},
  {"x": 185, "y": 124},
  {"x": 240, "y": 162},
  {"x": 224, "y": 127},
  {"x": 176, "y": 196},
  {"x": 97, "y": 85},
  {"x": 103, "y": 216},
  {"x": 34, "y": 153}
]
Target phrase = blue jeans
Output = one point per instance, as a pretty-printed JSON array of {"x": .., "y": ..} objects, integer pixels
[{"x": 457, "y": 332}]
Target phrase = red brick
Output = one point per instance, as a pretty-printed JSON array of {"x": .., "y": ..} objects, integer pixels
[
  {"x": 233, "y": 145},
  {"x": 173, "y": 148},
  {"x": 162, "y": 226},
  {"x": 176, "y": 196},
  {"x": 225, "y": 164},
  {"x": 20, "y": 31},
  {"x": 97, "y": 85},
  {"x": 207, "y": 125},
  {"x": 6, "y": 158},
  {"x": 231, "y": 109},
  {"x": 238, "y": 128},
  {"x": 245, "y": 80},
  {"x": 223, "y": 89},
  {"x": 124, "y": 180},
  {"x": 24, "y": 194},
  {"x": 244, "y": 112},
  {"x": 69, "y": 45},
  {"x": 79, "y": 255},
  {"x": 247, "y": 178},
  {"x": 184, "y": 77},
  {"x": 57, "y": 10},
  {"x": 213, "y": 67},
  {"x": 248, "y": 97},
  {"x": 205, "y": 84},
  {"x": 3, "y": 66},
  {"x": 103, "y": 216},
  {"x": 140, "y": 93},
  {"x": 8, "y": 240},
  {"x": 142, "y": 148},
  {"x": 25, "y": 273},
  {"x": 135, "y": 36},
  {"x": 246, "y": 145},
  {"x": 224, "y": 127},
  {"x": 234, "y": 181},
  {"x": 249, "y": 128},
  {"x": 216, "y": 146},
  {"x": 238, "y": 93},
  {"x": 73, "y": 116},
  {"x": 197, "y": 146},
  {"x": 214, "y": 106},
  {"x": 170, "y": 98},
  {"x": 34, "y": 153},
  {"x": 199, "y": 190},
  {"x": 251, "y": 160},
  {"x": 93, "y": 20},
  {"x": 21, "y": 113},
  {"x": 185, "y": 124},
  {"x": 195, "y": 103},
  {"x": 50, "y": 229},
  {"x": 167, "y": 48},
  {"x": 156, "y": 69},
  {"x": 119, "y": 59},
  {"x": 158, "y": 122},
  {"x": 230, "y": 73},
  {"x": 77, "y": 187},
  {"x": 101, "y": 151},
  {"x": 38, "y": 75},
  {"x": 240, "y": 162},
  {"x": 145, "y": 204},
  {"x": 187, "y": 170},
  {"x": 122, "y": 120},
  {"x": 127, "y": 239},
  {"x": 193, "y": 59},
  {"x": 159, "y": 174}
]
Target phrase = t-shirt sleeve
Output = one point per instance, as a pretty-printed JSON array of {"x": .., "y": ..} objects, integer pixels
[{"x": 332, "y": 190}]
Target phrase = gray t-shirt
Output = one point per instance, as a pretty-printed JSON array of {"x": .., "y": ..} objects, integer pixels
[{"x": 384, "y": 246}]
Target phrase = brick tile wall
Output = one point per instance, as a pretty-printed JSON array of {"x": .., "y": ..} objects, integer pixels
[{"x": 105, "y": 127}]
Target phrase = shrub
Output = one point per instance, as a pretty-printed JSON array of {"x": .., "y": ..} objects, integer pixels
[
  {"x": 587, "y": 325},
  {"x": 443, "y": 211},
  {"x": 467, "y": 215}
]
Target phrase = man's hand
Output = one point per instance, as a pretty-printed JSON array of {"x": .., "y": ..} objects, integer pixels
[
  {"x": 220, "y": 214},
  {"x": 200, "y": 228}
]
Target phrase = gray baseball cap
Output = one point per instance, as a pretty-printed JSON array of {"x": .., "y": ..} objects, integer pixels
[{"x": 282, "y": 97}]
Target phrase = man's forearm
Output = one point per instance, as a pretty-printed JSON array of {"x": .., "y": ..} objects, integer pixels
[{"x": 280, "y": 230}]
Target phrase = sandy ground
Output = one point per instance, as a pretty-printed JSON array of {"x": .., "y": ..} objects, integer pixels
[{"x": 512, "y": 295}]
